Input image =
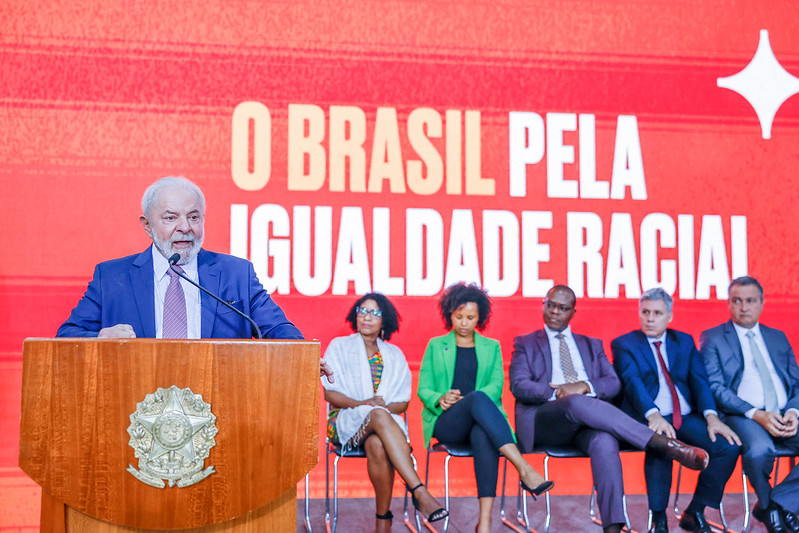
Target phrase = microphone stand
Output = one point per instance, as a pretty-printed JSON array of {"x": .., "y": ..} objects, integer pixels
[{"x": 174, "y": 258}]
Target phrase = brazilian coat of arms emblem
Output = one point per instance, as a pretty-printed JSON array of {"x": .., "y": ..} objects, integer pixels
[{"x": 172, "y": 432}]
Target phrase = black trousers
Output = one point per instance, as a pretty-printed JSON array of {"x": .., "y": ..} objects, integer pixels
[{"x": 475, "y": 420}]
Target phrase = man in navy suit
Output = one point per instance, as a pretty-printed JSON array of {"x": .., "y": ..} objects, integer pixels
[
  {"x": 126, "y": 297},
  {"x": 755, "y": 381},
  {"x": 664, "y": 383},
  {"x": 563, "y": 382}
]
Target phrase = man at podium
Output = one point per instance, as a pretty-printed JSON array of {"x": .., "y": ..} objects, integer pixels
[{"x": 141, "y": 296}]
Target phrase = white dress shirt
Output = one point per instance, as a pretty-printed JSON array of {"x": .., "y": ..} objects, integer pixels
[
  {"x": 751, "y": 387},
  {"x": 192, "y": 294},
  {"x": 663, "y": 399},
  {"x": 577, "y": 361}
]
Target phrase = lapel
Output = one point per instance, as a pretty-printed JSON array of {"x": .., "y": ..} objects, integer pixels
[
  {"x": 731, "y": 336},
  {"x": 585, "y": 354},
  {"x": 671, "y": 352},
  {"x": 143, "y": 285},
  {"x": 541, "y": 341},
  {"x": 449, "y": 351},
  {"x": 208, "y": 274},
  {"x": 773, "y": 352},
  {"x": 646, "y": 350},
  {"x": 481, "y": 351}
]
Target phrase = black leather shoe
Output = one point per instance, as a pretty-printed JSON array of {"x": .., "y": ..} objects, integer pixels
[
  {"x": 771, "y": 518},
  {"x": 791, "y": 521},
  {"x": 695, "y": 522},
  {"x": 660, "y": 523}
]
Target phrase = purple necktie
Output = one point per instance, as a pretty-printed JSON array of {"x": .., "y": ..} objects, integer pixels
[{"x": 175, "y": 322}]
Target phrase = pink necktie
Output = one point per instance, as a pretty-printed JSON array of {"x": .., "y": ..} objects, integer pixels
[{"x": 175, "y": 322}]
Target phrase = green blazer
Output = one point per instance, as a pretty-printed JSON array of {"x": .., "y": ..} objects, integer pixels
[{"x": 438, "y": 370}]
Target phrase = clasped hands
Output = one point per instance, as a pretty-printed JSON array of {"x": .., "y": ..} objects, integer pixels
[
  {"x": 567, "y": 389},
  {"x": 449, "y": 398},
  {"x": 777, "y": 425},
  {"x": 376, "y": 401}
]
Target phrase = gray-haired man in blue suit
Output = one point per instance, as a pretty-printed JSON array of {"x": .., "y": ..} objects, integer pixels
[
  {"x": 126, "y": 297},
  {"x": 755, "y": 381}
]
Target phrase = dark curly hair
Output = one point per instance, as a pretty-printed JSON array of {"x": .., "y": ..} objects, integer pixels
[
  {"x": 391, "y": 317},
  {"x": 461, "y": 293}
]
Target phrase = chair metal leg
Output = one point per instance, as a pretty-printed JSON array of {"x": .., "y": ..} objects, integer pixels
[
  {"x": 405, "y": 515},
  {"x": 546, "y": 498},
  {"x": 335, "y": 493},
  {"x": 446, "y": 490},
  {"x": 723, "y": 518},
  {"x": 308, "y": 527},
  {"x": 714, "y": 525},
  {"x": 677, "y": 493},
  {"x": 327, "y": 492},
  {"x": 595, "y": 519},
  {"x": 626, "y": 515},
  {"x": 591, "y": 512},
  {"x": 502, "y": 500},
  {"x": 745, "y": 490},
  {"x": 549, "y": 503}
]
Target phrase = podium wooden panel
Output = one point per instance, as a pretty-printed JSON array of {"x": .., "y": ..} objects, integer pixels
[{"x": 77, "y": 398}]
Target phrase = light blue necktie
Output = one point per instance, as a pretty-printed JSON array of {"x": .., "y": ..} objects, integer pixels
[{"x": 769, "y": 393}]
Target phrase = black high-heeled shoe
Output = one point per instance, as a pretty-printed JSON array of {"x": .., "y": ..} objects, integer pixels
[
  {"x": 540, "y": 489},
  {"x": 435, "y": 516}
]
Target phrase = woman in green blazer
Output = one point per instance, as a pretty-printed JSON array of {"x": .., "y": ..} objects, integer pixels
[{"x": 460, "y": 385}]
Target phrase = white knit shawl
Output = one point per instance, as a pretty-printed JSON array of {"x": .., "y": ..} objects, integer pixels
[{"x": 350, "y": 364}]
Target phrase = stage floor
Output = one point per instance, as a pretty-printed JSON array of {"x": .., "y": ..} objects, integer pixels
[{"x": 569, "y": 514}]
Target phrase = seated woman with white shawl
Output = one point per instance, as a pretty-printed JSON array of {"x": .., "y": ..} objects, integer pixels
[{"x": 371, "y": 391}]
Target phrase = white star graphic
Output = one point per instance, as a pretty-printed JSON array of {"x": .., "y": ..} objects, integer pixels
[{"x": 764, "y": 84}]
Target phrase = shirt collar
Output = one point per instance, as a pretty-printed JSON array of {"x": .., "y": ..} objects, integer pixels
[
  {"x": 742, "y": 331},
  {"x": 161, "y": 265},
  {"x": 551, "y": 332},
  {"x": 661, "y": 339}
]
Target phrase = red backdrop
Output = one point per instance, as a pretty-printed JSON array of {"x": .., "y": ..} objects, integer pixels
[{"x": 400, "y": 106}]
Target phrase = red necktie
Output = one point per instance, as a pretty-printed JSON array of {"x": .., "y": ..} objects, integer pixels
[{"x": 675, "y": 401}]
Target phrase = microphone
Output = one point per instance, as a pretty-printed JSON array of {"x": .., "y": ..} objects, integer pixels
[{"x": 174, "y": 258}]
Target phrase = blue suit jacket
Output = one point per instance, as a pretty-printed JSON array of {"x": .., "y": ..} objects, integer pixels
[
  {"x": 122, "y": 292},
  {"x": 637, "y": 367},
  {"x": 724, "y": 360},
  {"x": 531, "y": 373}
]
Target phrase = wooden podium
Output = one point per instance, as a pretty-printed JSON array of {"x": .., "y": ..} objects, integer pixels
[{"x": 78, "y": 398}]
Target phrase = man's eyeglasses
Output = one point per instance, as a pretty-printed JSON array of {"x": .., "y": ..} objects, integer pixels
[
  {"x": 561, "y": 308},
  {"x": 377, "y": 313}
]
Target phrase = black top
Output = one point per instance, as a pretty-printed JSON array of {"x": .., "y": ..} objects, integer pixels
[{"x": 465, "y": 375}]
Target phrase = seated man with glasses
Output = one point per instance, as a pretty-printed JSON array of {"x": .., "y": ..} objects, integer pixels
[{"x": 563, "y": 384}]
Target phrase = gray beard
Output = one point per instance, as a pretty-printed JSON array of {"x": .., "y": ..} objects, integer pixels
[{"x": 186, "y": 256}]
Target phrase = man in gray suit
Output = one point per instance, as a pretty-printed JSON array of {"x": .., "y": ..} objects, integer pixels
[
  {"x": 755, "y": 381},
  {"x": 562, "y": 382}
]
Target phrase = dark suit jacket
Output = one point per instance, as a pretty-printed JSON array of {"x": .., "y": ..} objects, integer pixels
[
  {"x": 122, "y": 292},
  {"x": 637, "y": 367},
  {"x": 531, "y": 373},
  {"x": 724, "y": 360}
]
